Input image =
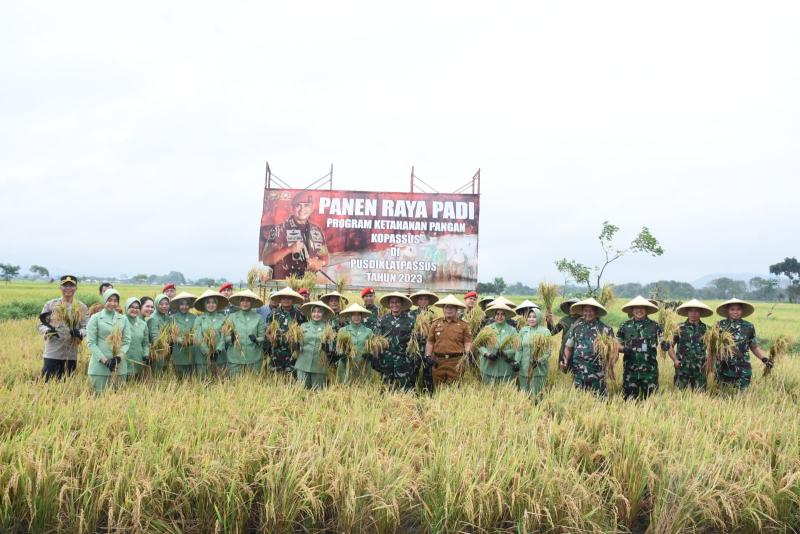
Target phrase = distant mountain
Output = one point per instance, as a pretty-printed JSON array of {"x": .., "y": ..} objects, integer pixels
[{"x": 702, "y": 282}]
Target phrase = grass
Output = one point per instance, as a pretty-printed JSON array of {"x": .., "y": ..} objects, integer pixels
[{"x": 261, "y": 455}]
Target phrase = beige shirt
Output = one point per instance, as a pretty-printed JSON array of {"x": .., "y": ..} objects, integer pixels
[{"x": 62, "y": 346}]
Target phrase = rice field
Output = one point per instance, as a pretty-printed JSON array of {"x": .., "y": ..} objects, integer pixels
[{"x": 261, "y": 455}]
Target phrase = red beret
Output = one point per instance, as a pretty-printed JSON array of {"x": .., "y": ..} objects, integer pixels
[
  {"x": 167, "y": 286},
  {"x": 226, "y": 285},
  {"x": 367, "y": 291},
  {"x": 303, "y": 291},
  {"x": 471, "y": 294}
]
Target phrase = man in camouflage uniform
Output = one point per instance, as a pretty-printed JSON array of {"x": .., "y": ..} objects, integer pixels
[
  {"x": 278, "y": 348},
  {"x": 563, "y": 325},
  {"x": 737, "y": 372},
  {"x": 296, "y": 245},
  {"x": 62, "y": 339},
  {"x": 226, "y": 290},
  {"x": 638, "y": 339},
  {"x": 423, "y": 300},
  {"x": 688, "y": 351},
  {"x": 397, "y": 369},
  {"x": 368, "y": 297},
  {"x": 587, "y": 367}
]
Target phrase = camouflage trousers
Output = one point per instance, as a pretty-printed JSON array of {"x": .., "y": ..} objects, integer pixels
[
  {"x": 398, "y": 371},
  {"x": 691, "y": 374},
  {"x": 589, "y": 376},
  {"x": 281, "y": 360},
  {"x": 640, "y": 382},
  {"x": 735, "y": 373}
]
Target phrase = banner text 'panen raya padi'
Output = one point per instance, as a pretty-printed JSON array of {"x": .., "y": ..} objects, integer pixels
[{"x": 394, "y": 240}]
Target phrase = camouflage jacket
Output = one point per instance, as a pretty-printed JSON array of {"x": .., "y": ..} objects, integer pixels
[
  {"x": 642, "y": 337},
  {"x": 283, "y": 318},
  {"x": 744, "y": 335},
  {"x": 371, "y": 322},
  {"x": 689, "y": 343},
  {"x": 394, "y": 362},
  {"x": 581, "y": 338}
]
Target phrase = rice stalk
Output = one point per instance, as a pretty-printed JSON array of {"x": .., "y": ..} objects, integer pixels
[
  {"x": 309, "y": 281},
  {"x": 210, "y": 341},
  {"x": 327, "y": 341},
  {"x": 422, "y": 325},
  {"x": 114, "y": 340},
  {"x": 607, "y": 350},
  {"x": 780, "y": 347},
  {"x": 294, "y": 338},
  {"x": 669, "y": 321},
  {"x": 539, "y": 346},
  {"x": 69, "y": 316},
  {"x": 548, "y": 293},
  {"x": 294, "y": 282},
  {"x": 341, "y": 283},
  {"x": 719, "y": 346},
  {"x": 345, "y": 345},
  {"x": 159, "y": 349},
  {"x": 413, "y": 348},
  {"x": 273, "y": 330},
  {"x": 510, "y": 343},
  {"x": 252, "y": 278},
  {"x": 376, "y": 344},
  {"x": 474, "y": 319},
  {"x": 606, "y": 295},
  {"x": 486, "y": 338},
  {"x": 521, "y": 322},
  {"x": 189, "y": 339}
]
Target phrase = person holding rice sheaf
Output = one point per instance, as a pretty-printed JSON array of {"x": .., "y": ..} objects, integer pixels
[
  {"x": 285, "y": 314},
  {"x": 497, "y": 363},
  {"x": 368, "y": 297},
  {"x": 63, "y": 325},
  {"x": 736, "y": 371},
  {"x": 226, "y": 290},
  {"x": 353, "y": 367},
  {"x": 423, "y": 300},
  {"x": 579, "y": 352},
  {"x": 397, "y": 368},
  {"x": 315, "y": 351},
  {"x": 139, "y": 350},
  {"x": 208, "y": 331},
  {"x": 158, "y": 323},
  {"x": 563, "y": 325},
  {"x": 534, "y": 350},
  {"x": 335, "y": 300},
  {"x": 448, "y": 342},
  {"x": 639, "y": 338},
  {"x": 184, "y": 349},
  {"x": 108, "y": 336},
  {"x": 688, "y": 351},
  {"x": 245, "y": 335}
]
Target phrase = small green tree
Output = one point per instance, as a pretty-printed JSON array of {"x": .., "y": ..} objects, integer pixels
[
  {"x": 789, "y": 268},
  {"x": 644, "y": 242},
  {"x": 39, "y": 270},
  {"x": 499, "y": 285},
  {"x": 8, "y": 271}
]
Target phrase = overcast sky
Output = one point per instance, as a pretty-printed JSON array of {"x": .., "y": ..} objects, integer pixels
[{"x": 134, "y": 135}]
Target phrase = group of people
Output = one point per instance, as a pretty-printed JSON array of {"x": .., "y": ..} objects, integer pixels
[{"x": 404, "y": 343}]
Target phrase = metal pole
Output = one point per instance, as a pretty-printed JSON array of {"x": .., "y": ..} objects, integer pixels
[
  {"x": 412, "y": 178},
  {"x": 331, "y": 181},
  {"x": 267, "y": 177}
]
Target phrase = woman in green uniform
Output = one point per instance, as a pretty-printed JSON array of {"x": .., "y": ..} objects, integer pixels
[
  {"x": 185, "y": 348},
  {"x": 244, "y": 342},
  {"x": 208, "y": 329},
  {"x": 312, "y": 365},
  {"x": 108, "y": 364},
  {"x": 160, "y": 319},
  {"x": 357, "y": 368},
  {"x": 139, "y": 351},
  {"x": 497, "y": 363},
  {"x": 532, "y": 372}
]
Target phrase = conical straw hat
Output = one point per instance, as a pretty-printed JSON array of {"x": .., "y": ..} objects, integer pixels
[
  {"x": 567, "y": 304},
  {"x": 450, "y": 300},
  {"x": 509, "y": 313},
  {"x": 200, "y": 303},
  {"x": 642, "y": 302},
  {"x": 334, "y": 294},
  {"x": 485, "y": 301},
  {"x": 526, "y": 305},
  {"x": 747, "y": 308},
  {"x": 183, "y": 295},
  {"x": 327, "y": 312},
  {"x": 502, "y": 300},
  {"x": 577, "y": 308},
  {"x": 433, "y": 297},
  {"x": 406, "y": 301},
  {"x": 287, "y": 291},
  {"x": 355, "y": 308},
  {"x": 683, "y": 309},
  {"x": 236, "y": 298}
]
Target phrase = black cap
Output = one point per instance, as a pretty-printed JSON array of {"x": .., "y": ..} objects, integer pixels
[{"x": 69, "y": 279}]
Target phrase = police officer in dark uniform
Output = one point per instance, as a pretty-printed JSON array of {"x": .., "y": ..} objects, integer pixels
[{"x": 296, "y": 245}]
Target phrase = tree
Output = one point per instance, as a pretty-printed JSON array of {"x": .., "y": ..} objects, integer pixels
[
  {"x": 763, "y": 289},
  {"x": 140, "y": 279},
  {"x": 499, "y": 285},
  {"x": 644, "y": 242},
  {"x": 789, "y": 268},
  {"x": 8, "y": 271},
  {"x": 208, "y": 282},
  {"x": 39, "y": 270},
  {"x": 725, "y": 288}
]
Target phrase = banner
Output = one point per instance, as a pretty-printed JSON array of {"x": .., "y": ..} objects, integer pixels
[{"x": 389, "y": 240}]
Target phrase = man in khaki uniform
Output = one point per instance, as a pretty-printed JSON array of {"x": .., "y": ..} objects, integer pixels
[
  {"x": 448, "y": 342},
  {"x": 63, "y": 325}
]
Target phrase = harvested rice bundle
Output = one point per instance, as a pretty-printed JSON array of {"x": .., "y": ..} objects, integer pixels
[
  {"x": 273, "y": 330},
  {"x": 309, "y": 281},
  {"x": 341, "y": 283},
  {"x": 779, "y": 348},
  {"x": 376, "y": 344},
  {"x": 607, "y": 350},
  {"x": 327, "y": 341},
  {"x": 228, "y": 329},
  {"x": 252, "y": 278},
  {"x": 295, "y": 282},
  {"x": 669, "y": 322},
  {"x": 422, "y": 325},
  {"x": 606, "y": 295},
  {"x": 69, "y": 316},
  {"x": 294, "y": 338},
  {"x": 487, "y": 337},
  {"x": 345, "y": 345},
  {"x": 548, "y": 293},
  {"x": 719, "y": 346},
  {"x": 159, "y": 350},
  {"x": 189, "y": 339},
  {"x": 510, "y": 344},
  {"x": 539, "y": 347},
  {"x": 114, "y": 340},
  {"x": 474, "y": 319},
  {"x": 521, "y": 322},
  {"x": 210, "y": 341}
]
